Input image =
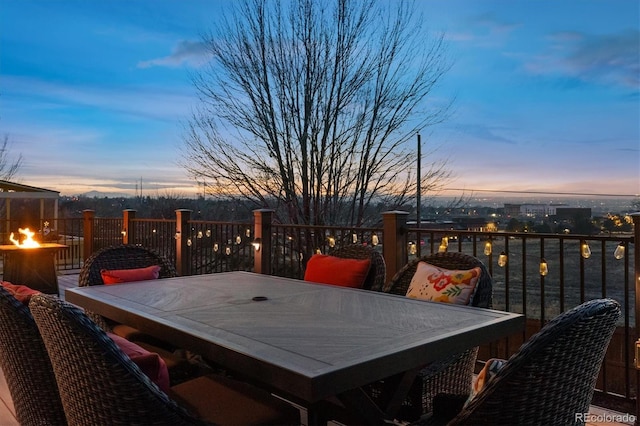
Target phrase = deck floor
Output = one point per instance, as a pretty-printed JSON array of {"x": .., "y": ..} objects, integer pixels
[{"x": 7, "y": 414}]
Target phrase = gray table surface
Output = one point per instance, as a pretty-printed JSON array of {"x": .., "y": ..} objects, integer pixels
[{"x": 310, "y": 341}]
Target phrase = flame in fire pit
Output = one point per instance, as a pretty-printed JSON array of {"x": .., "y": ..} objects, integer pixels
[{"x": 28, "y": 242}]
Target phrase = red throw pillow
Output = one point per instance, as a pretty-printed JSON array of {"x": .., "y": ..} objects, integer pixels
[
  {"x": 151, "y": 364},
  {"x": 118, "y": 276},
  {"x": 325, "y": 269},
  {"x": 20, "y": 292}
]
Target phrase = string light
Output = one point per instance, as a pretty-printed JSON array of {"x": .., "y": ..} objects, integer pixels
[
  {"x": 619, "y": 251},
  {"x": 502, "y": 259},
  {"x": 544, "y": 268},
  {"x": 488, "y": 247},
  {"x": 354, "y": 237},
  {"x": 332, "y": 242},
  {"x": 412, "y": 248},
  {"x": 585, "y": 250},
  {"x": 374, "y": 240},
  {"x": 444, "y": 244}
]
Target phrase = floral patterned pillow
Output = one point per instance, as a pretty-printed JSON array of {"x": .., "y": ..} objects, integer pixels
[{"x": 443, "y": 285}]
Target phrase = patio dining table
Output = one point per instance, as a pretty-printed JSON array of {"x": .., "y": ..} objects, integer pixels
[{"x": 304, "y": 341}]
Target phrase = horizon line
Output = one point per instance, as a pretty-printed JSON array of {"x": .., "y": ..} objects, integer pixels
[{"x": 541, "y": 192}]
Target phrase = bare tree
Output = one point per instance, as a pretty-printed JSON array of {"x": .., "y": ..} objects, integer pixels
[
  {"x": 8, "y": 167},
  {"x": 310, "y": 109}
]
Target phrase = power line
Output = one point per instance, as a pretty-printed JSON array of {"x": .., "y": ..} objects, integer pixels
[{"x": 540, "y": 192}]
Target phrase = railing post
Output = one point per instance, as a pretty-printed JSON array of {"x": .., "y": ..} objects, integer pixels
[
  {"x": 88, "y": 231},
  {"x": 394, "y": 244},
  {"x": 128, "y": 233},
  {"x": 183, "y": 254},
  {"x": 262, "y": 231},
  {"x": 636, "y": 267}
]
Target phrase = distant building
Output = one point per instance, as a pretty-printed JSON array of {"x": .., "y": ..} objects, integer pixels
[
  {"x": 531, "y": 210},
  {"x": 572, "y": 213},
  {"x": 478, "y": 224}
]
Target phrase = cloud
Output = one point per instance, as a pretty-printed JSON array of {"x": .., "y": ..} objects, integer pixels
[
  {"x": 609, "y": 59},
  {"x": 191, "y": 53},
  {"x": 144, "y": 101},
  {"x": 480, "y": 131},
  {"x": 485, "y": 31},
  {"x": 495, "y": 26}
]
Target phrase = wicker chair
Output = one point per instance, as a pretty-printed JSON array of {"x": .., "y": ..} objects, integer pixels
[
  {"x": 553, "y": 375},
  {"x": 100, "y": 385},
  {"x": 126, "y": 256},
  {"x": 377, "y": 271},
  {"x": 454, "y": 374},
  {"x": 26, "y": 366}
]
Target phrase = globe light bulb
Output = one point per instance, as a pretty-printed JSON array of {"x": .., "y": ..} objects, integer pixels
[
  {"x": 585, "y": 250},
  {"x": 502, "y": 259},
  {"x": 332, "y": 242},
  {"x": 619, "y": 252},
  {"x": 374, "y": 240},
  {"x": 488, "y": 248},
  {"x": 412, "y": 248},
  {"x": 544, "y": 268}
]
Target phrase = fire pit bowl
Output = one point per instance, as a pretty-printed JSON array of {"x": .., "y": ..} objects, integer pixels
[{"x": 33, "y": 266}]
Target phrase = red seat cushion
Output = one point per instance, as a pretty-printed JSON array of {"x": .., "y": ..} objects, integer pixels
[
  {"x": 322, "y": 268},
  {"x": 150, "y": 363},
  {"x": 20, "y": 292},
  {"x": 118, "y": 276}
]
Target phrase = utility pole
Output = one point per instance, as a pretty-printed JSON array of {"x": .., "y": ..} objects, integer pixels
[{"x": 418, "y": 188}]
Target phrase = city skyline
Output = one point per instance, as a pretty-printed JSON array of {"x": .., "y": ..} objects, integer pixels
[{"x": 94, "y": 94}]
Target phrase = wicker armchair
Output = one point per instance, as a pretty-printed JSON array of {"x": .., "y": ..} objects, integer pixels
[
  {"x": 553, "y": 375},
  {"x": 100, "y": 385},
  {"x": 377, "y": 271},
  {"x": 126, "y": 256},
  {"x": 26, "y": 366},
  {"x": 454, "y": 374}
]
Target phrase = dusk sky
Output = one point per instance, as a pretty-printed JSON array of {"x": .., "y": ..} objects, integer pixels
[{"x": 94, "y": 94}]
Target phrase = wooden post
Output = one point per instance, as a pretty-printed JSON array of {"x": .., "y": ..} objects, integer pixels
[
  {"x": 394, "y": 244},
  {"x": 183, "y": 254},
  {"x": 262, "y": 232},
  {"x": 88, "y": 217},
  {"x": 128, "y": 233}
]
